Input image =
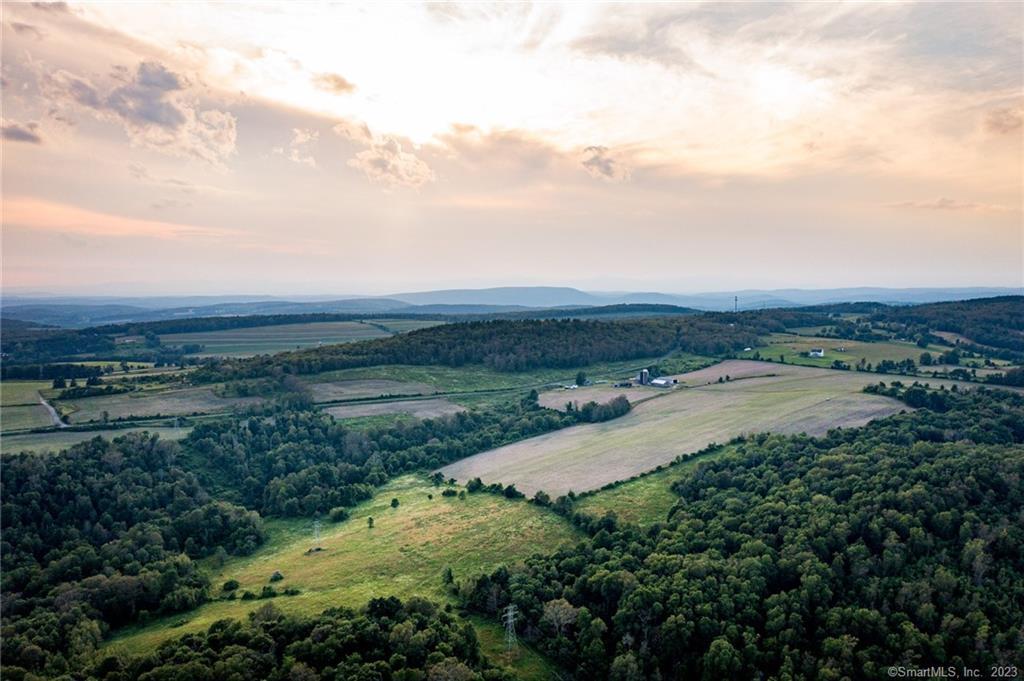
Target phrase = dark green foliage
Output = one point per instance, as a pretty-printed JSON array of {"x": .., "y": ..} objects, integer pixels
[
  {"x": 804, "y": 558},
  {"x": 592, "y": 412},
  {"x": 511, "y": 345}
]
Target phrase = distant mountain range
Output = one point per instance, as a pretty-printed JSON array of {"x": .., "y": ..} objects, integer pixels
[{"x": 78, "y": 312}]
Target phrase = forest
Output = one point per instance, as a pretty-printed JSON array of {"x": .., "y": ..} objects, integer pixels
[{"x": 802, "y": 558}]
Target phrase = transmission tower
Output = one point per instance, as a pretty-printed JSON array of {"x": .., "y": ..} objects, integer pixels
[
  {"x": 509, "y": 618},
  {"x": 316, "y": 532}
]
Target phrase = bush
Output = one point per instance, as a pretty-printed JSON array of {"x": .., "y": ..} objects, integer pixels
[
  {"x": 230, "y": 585},
  {"x": 277, "y": 576},
  {"x": 338, "y": 514}
]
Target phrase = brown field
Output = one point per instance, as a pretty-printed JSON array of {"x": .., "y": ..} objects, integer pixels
[
  {"x": 767, "y": 398},
  {"x": 422, "y": 409},
  {"x": 361, "y": 388},
  {"x": 163, "y": 403}
]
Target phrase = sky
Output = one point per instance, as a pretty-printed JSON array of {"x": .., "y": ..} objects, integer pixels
[{"x": 263, "y": 148}]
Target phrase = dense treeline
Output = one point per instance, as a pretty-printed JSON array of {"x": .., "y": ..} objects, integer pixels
[
  {"x": 388, "y": 639},
  {"x": 994, "y": 322},
  {"x": 106, "y": 533},
  {"x": 200, "y": 324},
  {"x": 101, "y": 535},
  {"x": 299, "y": 463},
  {"x": 799, "y": 558},
  {"x": 505, "y": 346}
]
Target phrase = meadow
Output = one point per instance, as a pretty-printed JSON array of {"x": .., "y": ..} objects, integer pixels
[
  {"x": 794, "y": 348},
  {"x": 142, "y": 404},
  {"x": 421, "y": 409},
  {"x": 260, "y": 340},
  {"x": 761, "y": 397},
  {"x": 404, "y": 554},
  {"x": 648, "y": 498},
  {"x": 51, "y": 442}
]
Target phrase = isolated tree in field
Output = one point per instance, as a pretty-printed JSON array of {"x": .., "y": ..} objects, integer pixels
[
  {"x": 59, "y": 382},
  {"x": 394, "y": 503},
  {"x": 369, "y": 522},
  {"x": 581, "y": 378},
  {"x": 925, "y": 359},
  {"x": 559, "y": 613}
]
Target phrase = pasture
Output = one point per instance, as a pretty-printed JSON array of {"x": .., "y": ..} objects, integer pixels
[
  {"x": 404, "y": 554},
  {"x": 261, "y": 340},
  {"x": 143, "y": 404},
  {"x": 21, "y": 393},
  {"x": 24, "y": 417},
  {"x": 339, "y": 391},
  {"x": 421, "y": 409},
  {"x": 794, "y": 347},
  {"x": 54, "y": 441},
  {"x": 646, "y": 499},
  {"x": 765, "y": 398}
]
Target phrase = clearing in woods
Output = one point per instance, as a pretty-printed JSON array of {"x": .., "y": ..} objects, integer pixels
[
  {"x": 179, "y": 402},
  {"x": 51, "y": 442},
  {"x": 421, "y": 409},
  {"x": 260, "y": 340},
  {"x": 779, "y": 398},
  {"x": 404, "y": 554}
]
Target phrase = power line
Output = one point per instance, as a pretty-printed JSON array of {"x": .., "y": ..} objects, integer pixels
[{"x": 509, "y": 618}]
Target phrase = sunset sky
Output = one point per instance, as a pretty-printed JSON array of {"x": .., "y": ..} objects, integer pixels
[{"x": 306, "y": 148}]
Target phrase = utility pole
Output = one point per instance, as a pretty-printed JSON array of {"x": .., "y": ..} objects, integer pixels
[
  {"x": 316, "y": 532},
  {"x": 735, "y": 304},
  {"x": 509, "y": 618}
]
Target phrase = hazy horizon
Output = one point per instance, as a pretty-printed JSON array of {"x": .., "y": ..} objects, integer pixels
[{"x": 295, "y": 149}]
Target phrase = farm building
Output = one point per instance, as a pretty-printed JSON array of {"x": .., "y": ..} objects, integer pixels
[
  {"x": 816, "y": 352},
  {"x": 644, "y": 378},
  {"x": 663, "y": 382}
]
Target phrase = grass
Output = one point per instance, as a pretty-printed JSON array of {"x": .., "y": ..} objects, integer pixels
[
  {"x": 479, "y": 378},
  {"x": 54, "y": 441},
  {"x": 24, "y": 418},
  {"x": 526, "y": 663},
  {"x": 259, "y": 340},
  {"x": 173, "y": 402},
  {"x": 404, "y": 554},
  {"x": 646, "y": 499},
  {"x": 793, "y": 346},
  {"x": 682, "y": 420},
  {"x": 21, "y": 393},
  {"x": 423, "y": 409}
]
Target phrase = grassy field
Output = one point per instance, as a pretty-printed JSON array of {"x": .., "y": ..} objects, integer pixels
[
  {"x": 333, "y": 391},
  {"x": 768, "y": 398},
  {"x": 527, "y": 663},
  {"x": 54, "y": 441},
  {"x": 792, "y": 347},
  {"x": 430, "y": 379},
  {"x": 404, "y": 554},
  {"x": 258, "y": 340},
  {"x": 647, "y": 499},
  {"x": 421, "y": 409},
  {"x": 177, "y": 402},
  {"x": 24, "y": 418},
  {"x": 23, "y": 393}
]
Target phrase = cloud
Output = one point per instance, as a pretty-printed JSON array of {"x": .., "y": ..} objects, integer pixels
[
  {"x": 384, "y": 161},
  {"x": 599, "y": 164},
  {"x": 27, "y": 29},
  {"x": 51, "y": 6},
  {"x": 945, "y": 204},
  {"x": 1004, "y": 121},
  {"x": 154, "y": 109},
  {"x": 332, "y": 82},
  {"x": 16, "y": 132},
  {"x": 298, "y": 148}
]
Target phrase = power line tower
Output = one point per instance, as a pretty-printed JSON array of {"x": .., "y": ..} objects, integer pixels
[
  {"x": 316, "y": 533},
  {"x": 509, "y": 618}
]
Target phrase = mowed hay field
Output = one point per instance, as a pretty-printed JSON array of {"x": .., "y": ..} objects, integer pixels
[
  {"x": 183, "y": 402},
  {"x": 404, "y": 554},
  {"x": 54, "y": 441},
  {"x": 767, "y": 398},
  {"x": 258, "y": 340},
  {"x": 335, "y": 391},
  {"x": 20, "y": 408},
  {"x": 421, "y": 409},
  {"x": 793, "y": 347}
]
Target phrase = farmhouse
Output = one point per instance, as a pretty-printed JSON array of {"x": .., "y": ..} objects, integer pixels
[{"x": 816, "y": 352}]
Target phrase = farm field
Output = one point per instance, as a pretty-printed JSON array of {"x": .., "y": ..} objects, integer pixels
[
  {"x": 355, "y": 389},
  {"x": 258, "y": 340},
  {"x": 647, "y": 499},
  {"x": 770, "y": 397},
  {"x": 470, "y": 378},
  {"x": 792, "y": 346},
  {"x": 21, "y": 393},
  {"x": 178, "y": 402},
  {"x": 25, "y": 417},
  {"x": 421, "y": 409},
  {"x": 54, "y": 441},
  {"x": 404, "y": 555}
]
